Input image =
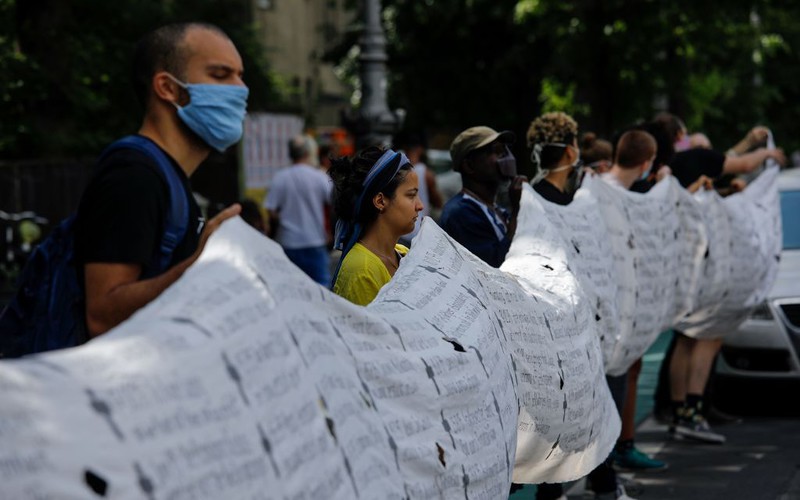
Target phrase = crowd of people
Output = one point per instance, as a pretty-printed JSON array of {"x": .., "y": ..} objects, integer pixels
[
  {"x": 376, "y": 196},
  {"x": 189, "y": 78}
]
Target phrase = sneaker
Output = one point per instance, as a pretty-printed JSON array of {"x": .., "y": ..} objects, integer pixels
[
  {"x": 618, "y": 494},
  {"x": 633, "y": 459},
  {"x": 696, "y": 428}
]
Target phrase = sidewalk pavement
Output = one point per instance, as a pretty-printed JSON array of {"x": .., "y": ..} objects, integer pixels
[{"x": 759, "y": 461}]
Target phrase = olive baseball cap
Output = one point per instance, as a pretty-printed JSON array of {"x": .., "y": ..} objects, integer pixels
[{"x": 474, "y": 138}]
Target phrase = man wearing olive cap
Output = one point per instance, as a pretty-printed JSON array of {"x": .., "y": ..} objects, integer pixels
[{"x": 472, "y": 217}]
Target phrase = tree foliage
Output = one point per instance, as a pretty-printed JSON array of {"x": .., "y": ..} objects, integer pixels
[
  {"x": 65, "y": 66},
  {"x": 722, "y": 66}
]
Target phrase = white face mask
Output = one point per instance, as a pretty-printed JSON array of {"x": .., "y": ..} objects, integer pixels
[
  {"x": 578, "y": 162},
  {"x": 543, "y": 172},
  {"x": 537, "y": 152}
]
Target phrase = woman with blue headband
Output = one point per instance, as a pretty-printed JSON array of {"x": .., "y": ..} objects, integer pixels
[{"x": 376, "y": 196}]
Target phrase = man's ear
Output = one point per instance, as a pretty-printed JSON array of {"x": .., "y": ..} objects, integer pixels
[{"x": 167, "y": 89}]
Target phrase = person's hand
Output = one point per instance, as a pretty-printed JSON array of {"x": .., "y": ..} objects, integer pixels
[
  {"x": 737, "y": 185},
  {"x": 663, "y": 173},
  {"x": 757, "y": 135},
  {"x": 515, "y": 192},
  {"x": 778, "y": 155},
  {"x": 702, "y": 182},
  {"x": 213, "y": 225}
]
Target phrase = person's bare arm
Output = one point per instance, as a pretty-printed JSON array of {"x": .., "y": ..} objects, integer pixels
[
  {"x": 114, "y": 292},
  {"x": 757, "y": 136},
  {"x": 703, "y": 182},
  {"x": 663, "y": 172},
  {"x": 748, "y": 162}
]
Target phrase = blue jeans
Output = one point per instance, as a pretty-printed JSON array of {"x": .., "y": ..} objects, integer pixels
[{"x": 314, "y": 261}]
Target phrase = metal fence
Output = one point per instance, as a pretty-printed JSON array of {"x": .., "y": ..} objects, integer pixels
[{"x": 52, "y": 189}]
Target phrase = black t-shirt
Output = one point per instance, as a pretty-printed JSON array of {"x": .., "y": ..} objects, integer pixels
[
  {"x": 551, "y": 193},
  {"x": 641, "y": 186},
  {"x": 687, "y": 166},
  {"x": 122, "y": 214}
]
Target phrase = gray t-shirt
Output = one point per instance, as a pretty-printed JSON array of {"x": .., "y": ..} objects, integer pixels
[{"x": 299, "y": 195}]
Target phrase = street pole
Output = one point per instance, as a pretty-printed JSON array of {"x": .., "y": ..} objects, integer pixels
[{"x": 374, "y": 123}]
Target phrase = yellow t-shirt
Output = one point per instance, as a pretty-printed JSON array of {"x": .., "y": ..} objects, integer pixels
[{"x": 362, "y": 275}]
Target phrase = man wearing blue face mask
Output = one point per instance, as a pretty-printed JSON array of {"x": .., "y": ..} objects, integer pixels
[{"x": 138, "y": 226}]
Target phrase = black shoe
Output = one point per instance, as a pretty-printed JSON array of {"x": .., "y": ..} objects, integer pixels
[{"x": 696, "y": 428}]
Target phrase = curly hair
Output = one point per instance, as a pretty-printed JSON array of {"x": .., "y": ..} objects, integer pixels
[
  {"x": 552, "y": 127},
  {"x": 348, "y": 176},
  {"x": 555, "y": 127}
]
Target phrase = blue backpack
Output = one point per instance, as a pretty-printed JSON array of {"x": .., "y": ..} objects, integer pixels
[{"x": 48, "y": 310}]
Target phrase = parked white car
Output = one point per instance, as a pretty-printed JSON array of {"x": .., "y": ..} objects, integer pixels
[{"x": 766, "y": 347}]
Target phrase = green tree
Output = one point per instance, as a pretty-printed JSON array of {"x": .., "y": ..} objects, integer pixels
[
  {"x": 65, "y": 68},
  {"x": 721, "y": 66}
]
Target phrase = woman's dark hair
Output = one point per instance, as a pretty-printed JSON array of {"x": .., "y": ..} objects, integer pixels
[
  {"x": 671, "y": 124},
  {"x": 594, "y": 149},
  {"x": 665, "y": 146},
  {"x": 348, "y": 176}
]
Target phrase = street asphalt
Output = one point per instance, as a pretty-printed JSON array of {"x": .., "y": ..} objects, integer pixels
[{"x": 759, "y": 461}]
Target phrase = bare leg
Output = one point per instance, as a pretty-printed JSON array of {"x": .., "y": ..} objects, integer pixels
[
  {"x": 679, "y": 367},
  {"x": 702, "y": 359},
  {"x": 629, "y": 409},
  {"x": 689, "y": 422}
]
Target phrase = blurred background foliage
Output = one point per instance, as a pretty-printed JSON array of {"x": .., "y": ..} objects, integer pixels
[
  {"x": 65, "y": 65},
  {"x": 722, "y": 66}
]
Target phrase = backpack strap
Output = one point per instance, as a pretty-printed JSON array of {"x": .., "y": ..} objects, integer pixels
[{"x": 177, "y": 220}]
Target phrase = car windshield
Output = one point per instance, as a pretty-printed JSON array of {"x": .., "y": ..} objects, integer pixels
[{"x": 790, "y": 208}]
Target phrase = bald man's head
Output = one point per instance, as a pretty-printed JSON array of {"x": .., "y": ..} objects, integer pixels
[{"x": 164, "y": 49}]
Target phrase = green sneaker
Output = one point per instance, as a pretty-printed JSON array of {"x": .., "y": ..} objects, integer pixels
[{"x": 633, "y": 459}]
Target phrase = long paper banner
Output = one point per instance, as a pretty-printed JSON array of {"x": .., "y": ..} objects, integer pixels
[{"x": 247, "y": 380}]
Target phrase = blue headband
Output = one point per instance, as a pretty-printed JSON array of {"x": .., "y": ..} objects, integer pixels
[{"x": 349, "y": 231}]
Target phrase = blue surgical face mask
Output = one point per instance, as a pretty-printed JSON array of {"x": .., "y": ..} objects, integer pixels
[
  {"x": 215, "y": 112},
  {"x": 646, "y": 172}
]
